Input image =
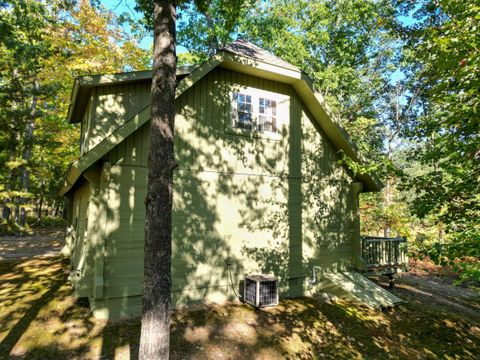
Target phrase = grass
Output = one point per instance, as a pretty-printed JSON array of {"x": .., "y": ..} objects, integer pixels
[{"x": 39, "y": 319}]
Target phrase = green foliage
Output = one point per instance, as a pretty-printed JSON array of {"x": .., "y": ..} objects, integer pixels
[
  {"x": 203, "y": 30},
  {"x": 44, "y": 45},
  {"x": 445, "y": 124},
  {"x": 342, "y": 45},
  {"x": 47, "y": 221},
  {"x": 202, "y": 26}
]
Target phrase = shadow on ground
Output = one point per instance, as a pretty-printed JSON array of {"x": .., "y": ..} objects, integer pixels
[
  {"x": 39, "y": 319},
  {"x": 46, "y": 241}
]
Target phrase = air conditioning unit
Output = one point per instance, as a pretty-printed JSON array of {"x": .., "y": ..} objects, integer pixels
[{"x": 260, "y": 290}]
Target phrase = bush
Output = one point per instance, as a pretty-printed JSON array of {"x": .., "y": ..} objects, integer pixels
[
  {"x": 460, "y": 257},
  {"x": 47, "y": 221},
  {"x": 12, "y": 228}
]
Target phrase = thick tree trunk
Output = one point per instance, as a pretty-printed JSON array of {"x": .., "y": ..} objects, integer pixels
[{"x": 155, "y": 332}]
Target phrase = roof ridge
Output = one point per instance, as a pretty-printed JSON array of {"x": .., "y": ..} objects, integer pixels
[{"x": 243, "y": 47}]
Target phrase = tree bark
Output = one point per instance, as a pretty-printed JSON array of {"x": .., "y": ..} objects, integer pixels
[
  {"x": 40, "y": 205},
  {"x": 27, "y": 151},
  {"x": 7, "y": 211},
  {"x": 57, "y": 209},
  {"x": 12, "y": 146},
  {"x": 155, "y": 331}
]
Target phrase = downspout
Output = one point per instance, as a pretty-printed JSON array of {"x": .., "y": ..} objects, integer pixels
[
  {"x": 357, "y": 260},
  {"x": 314, "y": 279}
]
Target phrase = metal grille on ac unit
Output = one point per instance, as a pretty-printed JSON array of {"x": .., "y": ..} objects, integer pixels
[{"x": 260, "y": 290}]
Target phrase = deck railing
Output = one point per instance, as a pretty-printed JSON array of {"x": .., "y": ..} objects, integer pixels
[{"x": 384, "y": 253}]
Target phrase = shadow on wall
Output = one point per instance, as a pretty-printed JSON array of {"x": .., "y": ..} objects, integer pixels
[{"x": 243, "y": 202}]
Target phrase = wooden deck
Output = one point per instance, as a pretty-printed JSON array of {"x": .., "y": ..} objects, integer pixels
[{"x": 384, "y": 255}]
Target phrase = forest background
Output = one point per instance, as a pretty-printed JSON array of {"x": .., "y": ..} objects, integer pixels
[{"x": 402, "y": 75}]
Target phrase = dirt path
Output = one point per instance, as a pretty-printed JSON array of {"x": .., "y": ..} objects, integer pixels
[
  {"x": 44, "y": 242},
  {"x": 421, "y": 287}
]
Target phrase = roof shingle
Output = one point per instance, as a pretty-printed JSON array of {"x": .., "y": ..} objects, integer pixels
[{"x": 245, "y": 48}]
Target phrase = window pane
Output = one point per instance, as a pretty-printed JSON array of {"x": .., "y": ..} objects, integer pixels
[
  {"x": 244, "y": 111},
  {"x": 267, "y": 110},
  {"x": 244, "y": 117},
  {"x": 244, "y": 120}
]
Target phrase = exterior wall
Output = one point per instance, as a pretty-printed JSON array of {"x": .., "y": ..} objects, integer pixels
[
  {"x": 110, "y": 107},
  {"x": 242, "y": 203},
  {"x": 79, "y": 236}
]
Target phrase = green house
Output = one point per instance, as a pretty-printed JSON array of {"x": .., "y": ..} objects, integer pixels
[{"x": 259, "y": 188}]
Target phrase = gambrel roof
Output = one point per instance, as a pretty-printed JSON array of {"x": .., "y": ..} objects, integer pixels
[
  {"x": 240, "y": 56},
  {"x": 247, "y": 49}
]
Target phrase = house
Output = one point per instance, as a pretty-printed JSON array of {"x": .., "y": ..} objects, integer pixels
[{"x": 259, "y": 188}]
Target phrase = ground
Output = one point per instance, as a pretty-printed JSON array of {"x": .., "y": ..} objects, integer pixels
[
  {"x": 39, "y": 319},
  {"x": 47, "y": 241}
]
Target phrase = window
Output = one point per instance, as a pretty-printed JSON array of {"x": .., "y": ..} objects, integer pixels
[
  {"x": 254, "y": 113},
  {"x": 244, "y": 111},
  {"x": 267, "y": 114}
]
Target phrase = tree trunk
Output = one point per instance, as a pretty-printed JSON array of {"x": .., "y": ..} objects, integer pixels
[
  {"x": 39, "y": 213},
  {"x": 17, "y": 211},
  {"x": 7, "y": 211},
  {"x": 10, "y": 183},
  {"x": 65, "y": 211},
  {"x": 155, "y": 332},
  {"x": 387, "y": 199},
  {"x": 22, "y": 216},
  {"x": 54, "y": 204},
  {"x": 27, "y": 151},
  {"x": 57, "y": 209},
  {"x": 40, "y": 203}
]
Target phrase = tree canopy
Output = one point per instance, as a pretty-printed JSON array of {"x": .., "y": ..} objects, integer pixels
[
  {"x": 402, "y": 76},
  {"x": 44, "y": 45}
]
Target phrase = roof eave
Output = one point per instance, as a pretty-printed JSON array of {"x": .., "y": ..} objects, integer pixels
[
  {"x": 73, "y": 100},
  {"x": 300, "y": 81},
  {"x": 83, "y": 84}
]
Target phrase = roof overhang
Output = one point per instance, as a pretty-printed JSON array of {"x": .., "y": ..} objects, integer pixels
[
  {"x": 314, "y": 102},
  {"x": 302, "y": 84}
]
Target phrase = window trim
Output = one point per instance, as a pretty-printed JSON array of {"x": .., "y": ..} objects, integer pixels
[{"x": 255, "y": 96}]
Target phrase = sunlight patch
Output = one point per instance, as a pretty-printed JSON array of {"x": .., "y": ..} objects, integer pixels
[{"x": 197, "y": 334}]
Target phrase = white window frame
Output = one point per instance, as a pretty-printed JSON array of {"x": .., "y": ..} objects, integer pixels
[
  {"x": 235, "y": 110},
  {"x": 271, "y": 115},
  {"x": 255, "y": 101}
]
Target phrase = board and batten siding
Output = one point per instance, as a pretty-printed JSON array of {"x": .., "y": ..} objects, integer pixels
[
  {"x": 80, "y": 238},
  {"x": 108, "y": 108},
  {"x": 243, "y": 203}
]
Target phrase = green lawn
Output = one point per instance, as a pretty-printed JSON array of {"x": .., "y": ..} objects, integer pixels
[{"x": 39, "y": 319}]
